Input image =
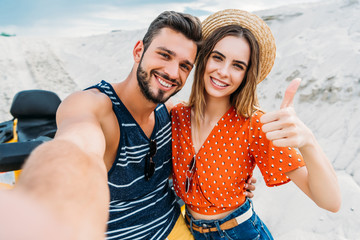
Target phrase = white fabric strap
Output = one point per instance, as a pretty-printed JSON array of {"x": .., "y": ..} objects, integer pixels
[{"x": 245, "y": 216}]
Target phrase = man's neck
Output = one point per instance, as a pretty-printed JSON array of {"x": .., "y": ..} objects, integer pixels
[{"x": 139, "y": 107}]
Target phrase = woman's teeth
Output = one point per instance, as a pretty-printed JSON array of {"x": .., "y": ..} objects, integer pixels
[{"x": 218, "y": 83}]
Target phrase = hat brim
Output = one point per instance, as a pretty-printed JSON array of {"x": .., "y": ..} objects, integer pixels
[{"x": 257, "y": 27}]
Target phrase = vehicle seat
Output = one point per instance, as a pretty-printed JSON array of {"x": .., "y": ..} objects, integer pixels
[{"x": 35, "y": 111}]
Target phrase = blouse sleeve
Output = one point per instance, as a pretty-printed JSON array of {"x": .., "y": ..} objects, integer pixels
[{"x": 272, "y": 161}]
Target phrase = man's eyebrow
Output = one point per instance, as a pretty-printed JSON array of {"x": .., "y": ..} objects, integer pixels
[
  {"x": 237, "y": 61},
  {"x": 168, "y": 51},
  {"x": 189, "y": 63},
  {"x": 174, "y": 54}
]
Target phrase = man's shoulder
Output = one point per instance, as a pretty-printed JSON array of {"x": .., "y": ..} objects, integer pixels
[
  {"x": 91, "y": 96},
  {"x": 91, "y": 100}
]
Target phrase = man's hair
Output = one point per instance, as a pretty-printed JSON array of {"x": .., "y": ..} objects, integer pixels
[{"x": 183, "y": 23}]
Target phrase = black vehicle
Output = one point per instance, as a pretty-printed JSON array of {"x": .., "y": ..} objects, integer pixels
[{"x": 33, "y": 123}]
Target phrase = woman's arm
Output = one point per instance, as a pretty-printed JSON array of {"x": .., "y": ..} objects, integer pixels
[{"x": 318, "y": 179}]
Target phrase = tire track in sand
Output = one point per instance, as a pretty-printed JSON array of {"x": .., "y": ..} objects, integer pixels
[
  {"x": 14, "y": 74},
  {"x": 47, "y": 70}
]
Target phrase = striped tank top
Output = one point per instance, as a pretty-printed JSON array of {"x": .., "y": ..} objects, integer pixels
[{"x": 140, "y": 209}]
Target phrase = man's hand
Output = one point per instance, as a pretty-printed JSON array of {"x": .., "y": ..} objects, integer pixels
[
  {"x": 24, "y": 218},
  {"x": 250, "y": 187}
]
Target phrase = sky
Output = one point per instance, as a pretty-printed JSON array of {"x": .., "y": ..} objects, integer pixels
[{"x": 66, "y": 18}]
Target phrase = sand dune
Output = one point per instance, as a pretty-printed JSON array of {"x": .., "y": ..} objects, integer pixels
[{"x": 318, "y": 42}]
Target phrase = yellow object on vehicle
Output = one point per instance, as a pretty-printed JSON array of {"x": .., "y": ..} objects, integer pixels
[
  {"x": 8, "y": 179},
  {"x": 33, "y": 123}
]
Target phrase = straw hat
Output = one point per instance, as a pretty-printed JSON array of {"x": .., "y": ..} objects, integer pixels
[{"x": 255, "y": 24}]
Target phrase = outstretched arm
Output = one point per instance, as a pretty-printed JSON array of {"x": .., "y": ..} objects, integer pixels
[
  {"x": 67, "y": 176},
  {"x": 318, "y": 179}
]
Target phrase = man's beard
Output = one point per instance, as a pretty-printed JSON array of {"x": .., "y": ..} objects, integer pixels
[{"x": 143, "y": 79}]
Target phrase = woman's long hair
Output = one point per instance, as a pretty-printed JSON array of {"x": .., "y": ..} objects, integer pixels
[{"x": 244, "y": 99}]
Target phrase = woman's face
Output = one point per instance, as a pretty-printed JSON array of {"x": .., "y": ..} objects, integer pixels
[{"x": 226, "y": 66}]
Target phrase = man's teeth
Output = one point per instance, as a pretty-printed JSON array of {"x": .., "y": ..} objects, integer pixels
[
  {"x": 165, "y": 84},
  {"x": 218, "y": 83}
]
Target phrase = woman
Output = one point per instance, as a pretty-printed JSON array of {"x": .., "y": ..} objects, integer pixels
[{"x": 221, "y": 135}]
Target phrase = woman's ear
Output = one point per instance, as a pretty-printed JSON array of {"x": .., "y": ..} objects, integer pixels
[{"x": 138, "y": 51}]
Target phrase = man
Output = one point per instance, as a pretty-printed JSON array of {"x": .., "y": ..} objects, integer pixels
[{"x": 119, "y": 134}]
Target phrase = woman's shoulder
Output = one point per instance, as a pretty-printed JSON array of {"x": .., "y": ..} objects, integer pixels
[
  {"x": 180, "y": 107},
  {"x": 255, "y": 118},
  {"x": 257, "y": 114}
]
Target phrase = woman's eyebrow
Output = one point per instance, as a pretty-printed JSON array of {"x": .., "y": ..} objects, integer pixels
[
  {"x": 237, "y": 61},
  {"x": 241, "y": 62}
]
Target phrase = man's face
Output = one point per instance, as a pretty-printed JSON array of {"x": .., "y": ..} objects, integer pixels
[{"x": 165, "y": 65}]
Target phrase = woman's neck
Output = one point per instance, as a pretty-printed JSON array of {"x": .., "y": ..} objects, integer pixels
[{"x": 215, "y": 108}]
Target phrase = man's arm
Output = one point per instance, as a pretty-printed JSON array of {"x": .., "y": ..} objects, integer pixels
[{"x": 67, "y": 175}]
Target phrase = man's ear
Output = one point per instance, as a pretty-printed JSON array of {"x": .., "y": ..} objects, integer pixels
[{"x": 138, "y": 51}]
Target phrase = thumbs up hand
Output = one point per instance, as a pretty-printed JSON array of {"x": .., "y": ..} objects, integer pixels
[
  {"x": 290, "y": 92},
  {"x": 283, "y": 127}
]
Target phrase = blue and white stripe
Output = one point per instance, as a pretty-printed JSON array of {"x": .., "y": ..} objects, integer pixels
[{"x": 140, "y": 209}]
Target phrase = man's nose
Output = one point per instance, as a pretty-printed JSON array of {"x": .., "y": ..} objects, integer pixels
[{"x": 172, "y": 70}]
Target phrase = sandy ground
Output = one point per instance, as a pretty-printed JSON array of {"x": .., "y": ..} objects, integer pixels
[{"x": 318, "y": 42}]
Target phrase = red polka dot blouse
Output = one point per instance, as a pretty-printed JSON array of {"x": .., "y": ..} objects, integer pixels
[{"x": 217, "y": 176}]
